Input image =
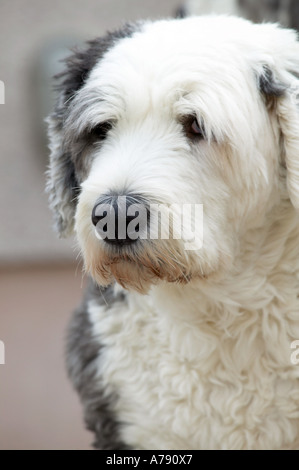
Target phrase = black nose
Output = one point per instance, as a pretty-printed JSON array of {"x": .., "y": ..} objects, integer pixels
[{"x": 121, "y": 220}]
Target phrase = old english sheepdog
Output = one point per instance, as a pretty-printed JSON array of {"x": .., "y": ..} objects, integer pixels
[{"x": 178, "y": 348}]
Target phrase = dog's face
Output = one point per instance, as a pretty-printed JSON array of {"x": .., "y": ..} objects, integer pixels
[{"x": 193, "y": 111}]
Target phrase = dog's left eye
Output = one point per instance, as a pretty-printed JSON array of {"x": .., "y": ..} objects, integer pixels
[{"x": 193, "y": 129}]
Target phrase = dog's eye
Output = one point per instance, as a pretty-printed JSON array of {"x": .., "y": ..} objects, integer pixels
[
  {"x": 100, "y": 131},
  {"x": 193, "y": 129}
]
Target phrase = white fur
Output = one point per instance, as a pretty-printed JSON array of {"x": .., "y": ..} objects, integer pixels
[{"x": 204, "y": 365}]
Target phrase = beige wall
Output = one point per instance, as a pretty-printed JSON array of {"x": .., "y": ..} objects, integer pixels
[{"x": 26, "y": 27}]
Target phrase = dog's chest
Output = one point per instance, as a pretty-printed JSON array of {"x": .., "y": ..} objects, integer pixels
[{"x": 190, "y": 386}]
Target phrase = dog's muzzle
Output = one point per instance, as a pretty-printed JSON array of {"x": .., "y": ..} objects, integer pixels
[{"x": 120, "y": 220}]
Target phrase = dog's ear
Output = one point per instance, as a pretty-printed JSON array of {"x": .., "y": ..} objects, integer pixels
[
  {"x": 281, "y": 91},
  {"x": 63, "y": 184}
]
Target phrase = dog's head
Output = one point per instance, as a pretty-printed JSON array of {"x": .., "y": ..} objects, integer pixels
[{"x": 170, "y": 115}]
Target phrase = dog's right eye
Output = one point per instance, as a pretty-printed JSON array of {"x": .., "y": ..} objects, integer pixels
[{"x": 100, "y": 131}]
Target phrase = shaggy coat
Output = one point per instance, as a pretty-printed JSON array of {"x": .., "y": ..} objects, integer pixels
[{"x": 178, "y": 349}]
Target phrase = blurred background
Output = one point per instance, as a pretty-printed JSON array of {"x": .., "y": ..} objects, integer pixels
[{"x": 40, "y": 277}]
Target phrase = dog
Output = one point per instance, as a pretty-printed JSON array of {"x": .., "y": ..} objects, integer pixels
[{"x": 176, "y": 348}]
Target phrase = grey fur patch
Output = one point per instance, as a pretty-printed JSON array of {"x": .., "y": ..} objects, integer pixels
[
  {"x": 83, "y": 353},
  {"x": 269, "y": 85},
  {"x": 80, "y": 63},
  {"x": 68, "y": 163}
]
